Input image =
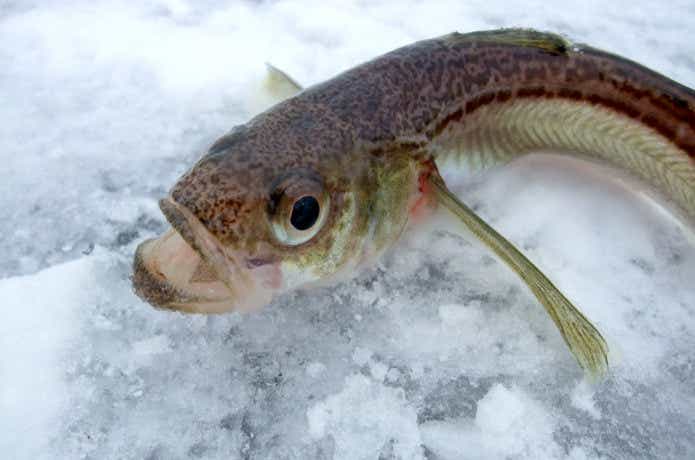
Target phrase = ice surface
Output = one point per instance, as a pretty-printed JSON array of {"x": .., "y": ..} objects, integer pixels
[
  {"x": 438, "y": 353},
  {"x": 377, "y": 415}
]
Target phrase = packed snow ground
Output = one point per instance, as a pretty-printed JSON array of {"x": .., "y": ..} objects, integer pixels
[{"x": 438, "y": 353}]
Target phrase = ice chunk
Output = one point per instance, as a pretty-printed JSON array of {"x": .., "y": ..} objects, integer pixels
[
  {"x": 507, "y": 424},
  {"x": 500, "y": 410},
  {"x": 365, "y": 417},
  {"x": 39, "y": 327}
]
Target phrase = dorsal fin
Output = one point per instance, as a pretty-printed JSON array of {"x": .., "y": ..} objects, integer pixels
[
  {"x": 278, "y": 84},
  {"x": 548, "y": 42}
]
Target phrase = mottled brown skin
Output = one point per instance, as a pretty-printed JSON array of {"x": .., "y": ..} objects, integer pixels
[
  {"x": 387, "y": 111},
  {"x": 150, "y": 287},
  {"x": 410, "y": 92}
]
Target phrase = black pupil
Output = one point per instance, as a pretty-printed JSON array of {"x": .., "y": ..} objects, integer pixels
[{"x": 305, "y": 212}]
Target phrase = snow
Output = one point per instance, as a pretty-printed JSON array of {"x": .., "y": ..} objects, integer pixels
[
  {"x": 507, "y": 424},
  {"x": 500, "y": 410},
  {"x": 437, "y": 353},
  {"x": 583, "y": 398},
  {"x": 377, "y": 415},
  {"x": 35, "y": 343}
]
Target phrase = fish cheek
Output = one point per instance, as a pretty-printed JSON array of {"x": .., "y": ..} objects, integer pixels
[{"x": 324, "y": 254}]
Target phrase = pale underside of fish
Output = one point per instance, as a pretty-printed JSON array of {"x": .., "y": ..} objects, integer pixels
[{"x": 322, "y": 183}]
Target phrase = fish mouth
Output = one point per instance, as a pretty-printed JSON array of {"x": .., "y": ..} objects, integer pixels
[{"x": 187, "y": 269}]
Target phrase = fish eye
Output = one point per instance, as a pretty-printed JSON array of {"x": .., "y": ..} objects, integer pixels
[
  {"x": 297, "y": 208},
  {"x": 305, "y": 213}
]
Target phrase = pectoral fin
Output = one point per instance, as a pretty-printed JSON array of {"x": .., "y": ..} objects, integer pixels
[{"x": 583, "y": 339}]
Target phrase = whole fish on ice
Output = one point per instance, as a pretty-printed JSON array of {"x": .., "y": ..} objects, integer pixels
[{"x": 322, "y": 183}]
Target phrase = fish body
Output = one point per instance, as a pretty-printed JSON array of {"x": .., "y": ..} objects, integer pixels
[{"x": 322, "y": 183}]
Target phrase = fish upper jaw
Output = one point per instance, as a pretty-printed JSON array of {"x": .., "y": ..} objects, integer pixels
[{"x": 188, "y": 270}]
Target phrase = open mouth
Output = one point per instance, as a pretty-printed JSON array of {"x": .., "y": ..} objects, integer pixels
[{"x": 186, "y": 269}]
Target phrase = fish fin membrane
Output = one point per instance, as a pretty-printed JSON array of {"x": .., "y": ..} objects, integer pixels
[
  {"x": 529, "y": 38},
  {"x": 583, "y": 339},
  {"x": 279, "y": 85}
]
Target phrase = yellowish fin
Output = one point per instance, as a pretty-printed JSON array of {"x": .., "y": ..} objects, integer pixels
[
  {"x": 279, "y": 85},
  {"x": 528, "y": 38},
  {"x": 583, "y": 339},
  {"x": 274, "y": 87}
]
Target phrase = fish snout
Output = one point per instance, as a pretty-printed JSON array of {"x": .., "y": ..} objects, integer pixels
[
  {"x": 186, "y": 269},
  {"x": 169, "y": 274}
]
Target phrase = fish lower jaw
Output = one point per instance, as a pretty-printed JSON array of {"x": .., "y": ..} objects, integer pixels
[
  {"x": 164, "y": 275},
  {"x": 170, "y": 275}
]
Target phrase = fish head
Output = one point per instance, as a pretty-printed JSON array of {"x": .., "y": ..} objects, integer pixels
[{"x": 253, "y": 219}]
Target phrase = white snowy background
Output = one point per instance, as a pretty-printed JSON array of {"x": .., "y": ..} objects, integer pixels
[{"x": 438, "y": 353}]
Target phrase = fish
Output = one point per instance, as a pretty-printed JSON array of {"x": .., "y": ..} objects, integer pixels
[{"x": 321, "y": 184}]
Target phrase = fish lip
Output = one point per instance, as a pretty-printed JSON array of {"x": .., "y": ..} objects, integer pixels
[
  {"x": 179, "y": 222},
  {"x": 163, "y": 269},
  {"x": 194, "y": 233},
  {"x": 151, "y": 287},
  {"x": 152, "y": 284}
]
